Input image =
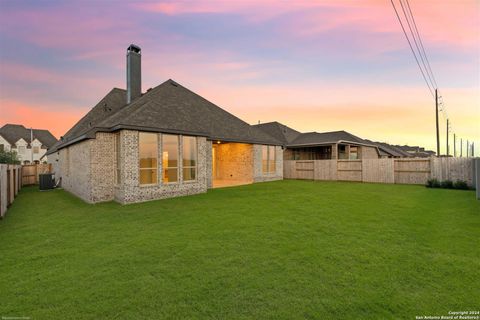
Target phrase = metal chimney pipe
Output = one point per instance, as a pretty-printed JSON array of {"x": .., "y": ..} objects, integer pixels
[{"x": 134, "y": 73}]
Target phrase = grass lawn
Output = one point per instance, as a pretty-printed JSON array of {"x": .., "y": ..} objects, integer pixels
[{"x": 278, "y": 250}]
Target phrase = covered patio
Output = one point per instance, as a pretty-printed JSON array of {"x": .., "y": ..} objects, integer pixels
[{"x": 232, "y": 164}]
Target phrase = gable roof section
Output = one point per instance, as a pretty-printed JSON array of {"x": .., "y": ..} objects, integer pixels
[
  {"x": 14, "y": 132},
  {"x": 279, "y": 131},
  {"x": 169, "y": 108}
]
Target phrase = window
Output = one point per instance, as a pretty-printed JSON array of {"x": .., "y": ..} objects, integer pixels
[
  {"x": 189, "y": 158},
  {"x": 353, "y": 153},
  {"x": 36, "y": 149},
  {"x": 117, "y": 159},
  {"x": 342, "y": 151},
  {"x": 21, "y": 149},
  {"x": 148, "y": 155},
  {"x": 170, "y": 158},
  {"x": 2, "y": 148},
  {"x": 268, "y": 159}
]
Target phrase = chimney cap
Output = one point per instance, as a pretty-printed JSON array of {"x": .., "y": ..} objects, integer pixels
[{"x": 134, "y": 48}]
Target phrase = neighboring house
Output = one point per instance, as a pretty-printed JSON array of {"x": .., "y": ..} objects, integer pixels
[
  {"x": 320, "y": 146},
  {"x": 167, "y": 142},
  {"x": 30, "y": 144},
  {"x": 335, "y": 145},
  {"x": 416, "y": 151}
]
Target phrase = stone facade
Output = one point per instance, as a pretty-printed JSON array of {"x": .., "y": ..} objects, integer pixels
[
  {"x": 130, "y": 190},
  {"x": 75, "y": 169},
  {"x": 88, "y": 168},
  {"x": 258, "y": 174}
]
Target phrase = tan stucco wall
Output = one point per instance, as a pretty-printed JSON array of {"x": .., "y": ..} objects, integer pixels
[
  {"x": 368, "y": 153},
  {"x": 258, "y": 175},
  {"x": 233, "y": 161}
]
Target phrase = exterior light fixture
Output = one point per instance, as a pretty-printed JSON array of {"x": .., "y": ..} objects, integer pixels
[{"x": 218, "y": 142}]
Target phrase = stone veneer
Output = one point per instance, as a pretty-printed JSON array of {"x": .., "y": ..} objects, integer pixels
[
  {"x": 258, "y": 175},
  {"x": 87, "y": 169},
  {"x": 129, "y": 190}
]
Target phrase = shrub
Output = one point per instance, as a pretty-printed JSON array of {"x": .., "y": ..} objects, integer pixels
[
  {"x": 447, "y": 184},
  {"x": 433, "y": 183},
  {"x": 462, "y": 185}
]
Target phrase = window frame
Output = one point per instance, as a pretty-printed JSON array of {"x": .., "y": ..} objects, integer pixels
[
  {"x": 195, "y": 143},
  {"x": 164, "y": 168},
  {"x": 149, "y": 168},
  {"x": 35, "y": 149}
]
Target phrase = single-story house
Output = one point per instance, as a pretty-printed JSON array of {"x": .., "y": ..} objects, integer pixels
[
  {"x": 320, "y": 145},
  {"x": 335, "y": 145},
  {"x": 29, "y": 144},
  {"x": 166, "y": 142}
]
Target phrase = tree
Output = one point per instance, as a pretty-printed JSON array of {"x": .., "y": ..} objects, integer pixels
[{"x": 9, "y": 157}]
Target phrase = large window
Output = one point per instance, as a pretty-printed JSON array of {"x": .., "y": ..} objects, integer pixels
[
  {"x": 268, "y": 159},
  {"x": 36, "y": 149},
  {"x": 170, "y": 158},
  {"x": 148, "y": 152},
  {"x": 2, "y": 147},
  {"x": 189, "y": 158},
  {"x": 118, "y": 178},
  {"x": 21, "y": 149}
]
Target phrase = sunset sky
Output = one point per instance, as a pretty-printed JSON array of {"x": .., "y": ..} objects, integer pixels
[{"x": 312, "y": 65}]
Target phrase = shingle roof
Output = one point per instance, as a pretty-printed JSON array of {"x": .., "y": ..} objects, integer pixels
[
  {"x": 279, "y": 131},
  {"x": 319, "y": 138},
  {"x": 389, "y": 149},
  {"x": 14, "y": 132},
  {"x": 168, "y": 107}
]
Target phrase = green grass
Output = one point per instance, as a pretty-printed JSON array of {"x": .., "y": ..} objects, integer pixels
[{"x": 279, "y": 250}]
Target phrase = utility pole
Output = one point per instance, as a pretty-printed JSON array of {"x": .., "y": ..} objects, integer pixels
[
  {"x": 467, "y": 148},
  {"x": 448, "y": 149},
  {"x": 454, "y": 145},
  {"x": 473, "y": 149},
  {"x": 436, "y": 117},
  {"x": 461, "y": 147}
]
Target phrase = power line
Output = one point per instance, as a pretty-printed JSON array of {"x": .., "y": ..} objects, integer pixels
[
  {"x": 411, "y": 48},
  {"x": 421, "y": 44},
  {"x": 416, "y": 43}
]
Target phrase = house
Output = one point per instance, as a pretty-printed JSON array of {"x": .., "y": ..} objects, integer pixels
[
  {"x": 335, "y": 145},
  {"x": 320, "y": 145},
  {"x": 29, "y": 144},
  {"x": 163, "y": 143}
]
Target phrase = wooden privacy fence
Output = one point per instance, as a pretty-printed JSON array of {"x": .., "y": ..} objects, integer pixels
[
  {"x": 30, "y": 172},
  {"x": 401, "y": 170},
  {"x": 10, "y": 184}
]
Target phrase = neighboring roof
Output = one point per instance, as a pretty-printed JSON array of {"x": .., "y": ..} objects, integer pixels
[
  {"x": 169, "y": 108},
  {"x": 279, "y": 131},
  {"x": 319, "y": 138},
  {"x": 14, "y": 132},
  {"x": 390, "y": 150}
]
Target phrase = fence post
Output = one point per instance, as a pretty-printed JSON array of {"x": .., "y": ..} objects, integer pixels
[{"x": 476, "y": 177}]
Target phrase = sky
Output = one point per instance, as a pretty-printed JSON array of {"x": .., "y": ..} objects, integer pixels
[{"x": 312, "y": 65}]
